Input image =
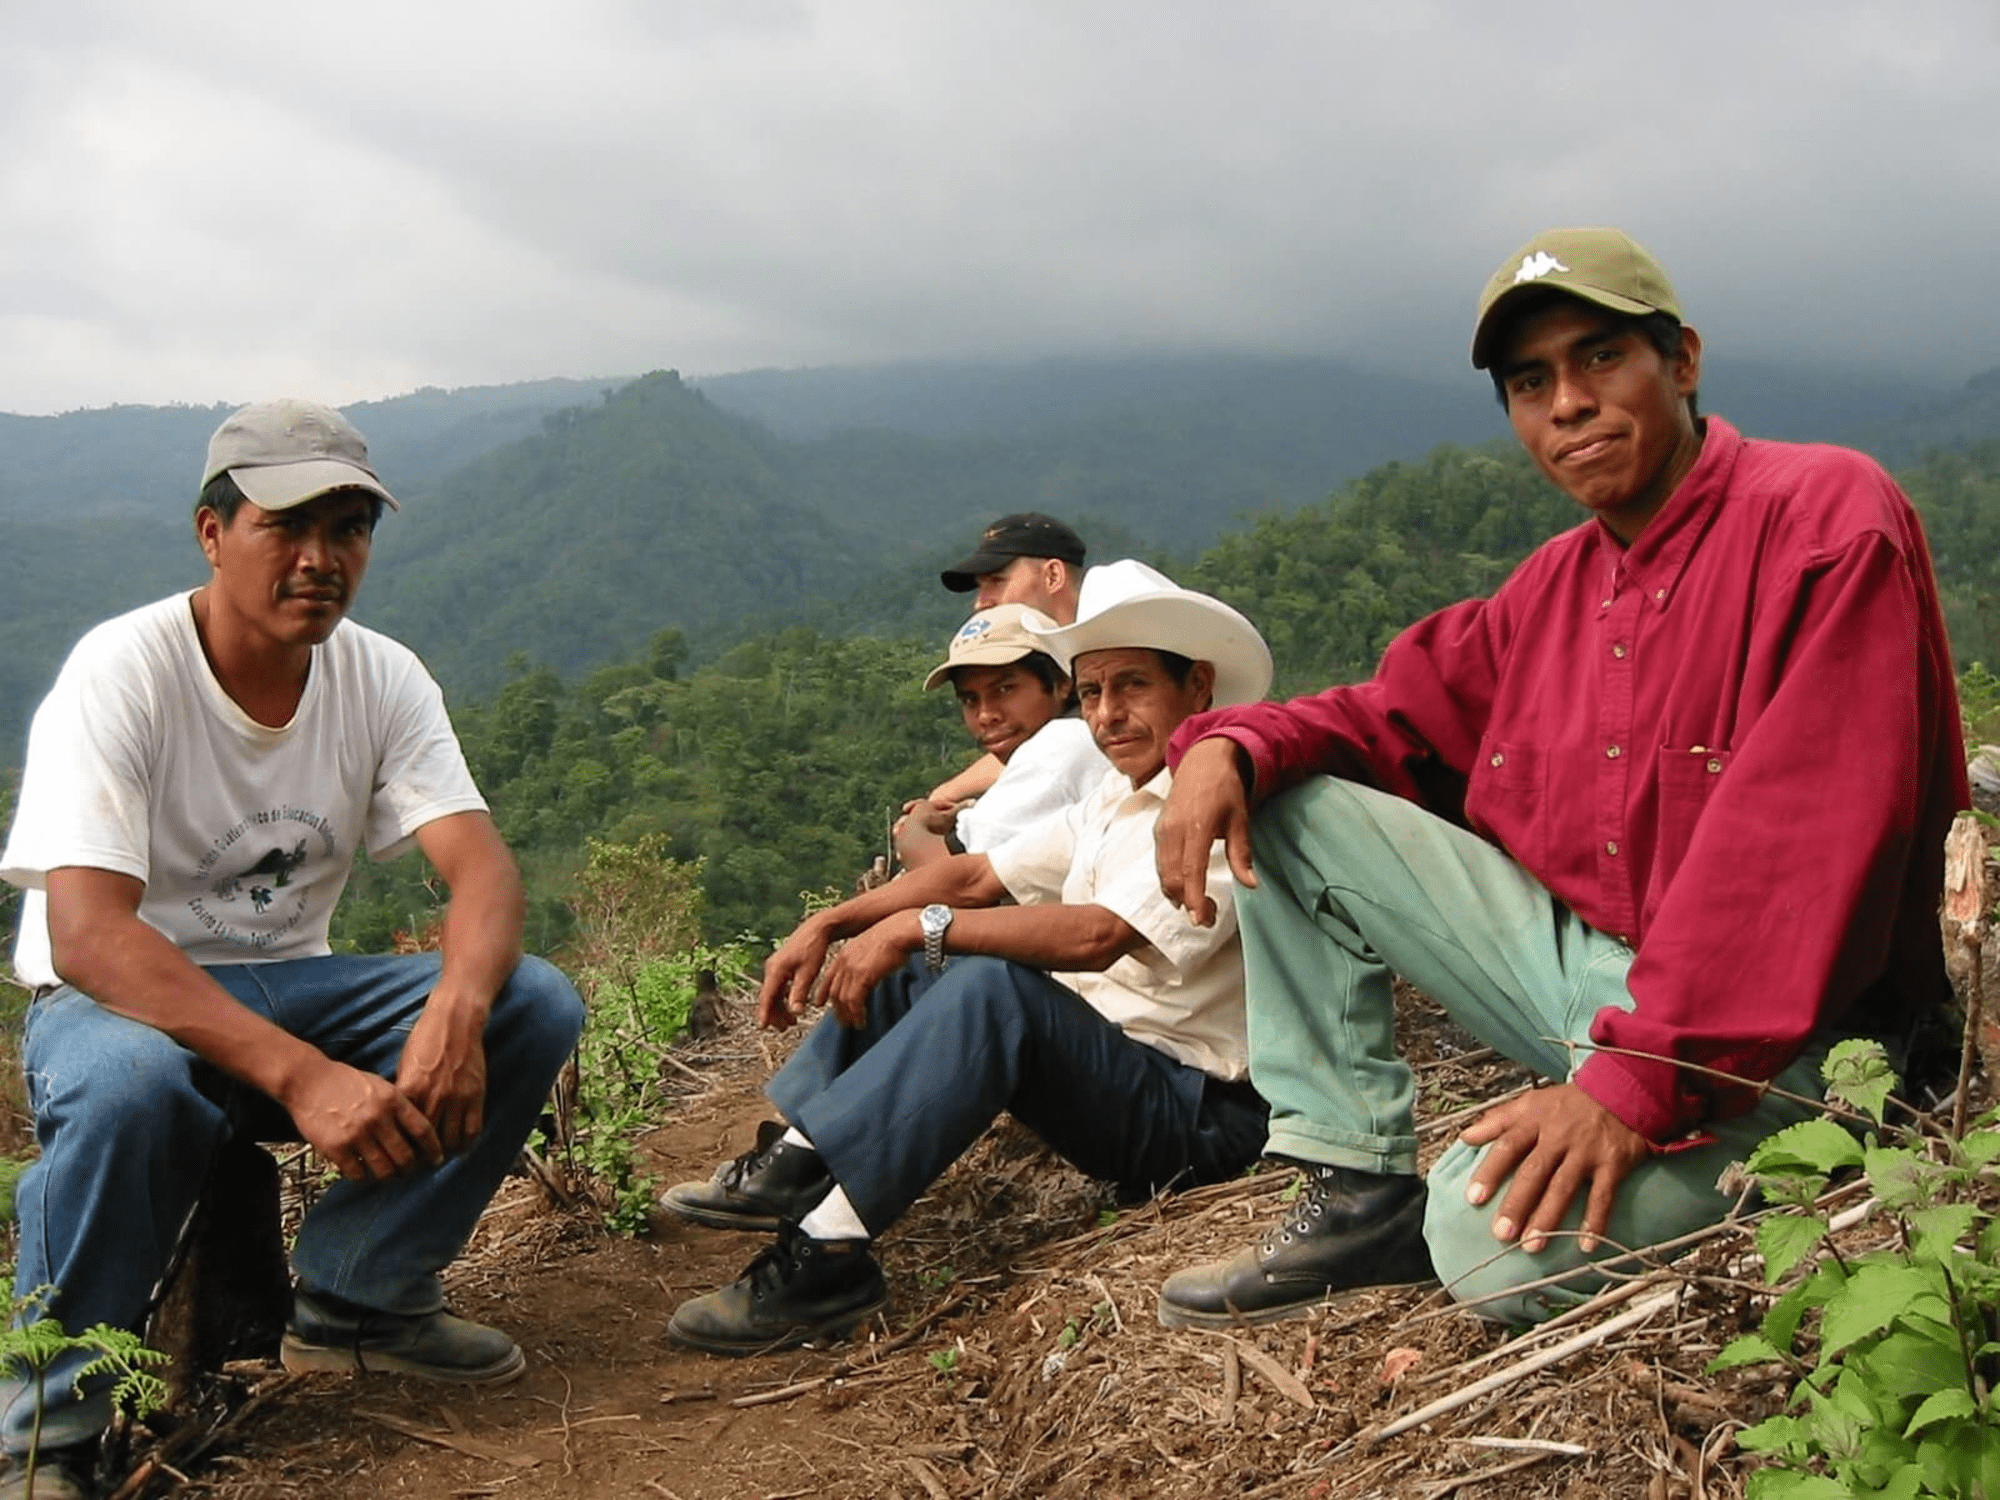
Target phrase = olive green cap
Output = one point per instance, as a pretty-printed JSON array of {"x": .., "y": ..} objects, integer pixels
[{"x": 1604, "y": 266}]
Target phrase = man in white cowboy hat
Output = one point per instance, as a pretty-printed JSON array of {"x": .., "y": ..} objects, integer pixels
[
  {"x": 1099, "y": 1015},
  {"x": 1662, "y": 820},
  {"x": 197, "y": 783}
]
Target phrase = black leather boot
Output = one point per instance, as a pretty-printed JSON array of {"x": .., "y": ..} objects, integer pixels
[
  {"x": 798, "y": 1291},
  {"x": 1347, "y": 1228},
  {"x": 772, "y": 1184}
]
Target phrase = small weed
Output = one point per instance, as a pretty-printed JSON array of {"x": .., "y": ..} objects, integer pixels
[{"x": 1892, "y": 1350}]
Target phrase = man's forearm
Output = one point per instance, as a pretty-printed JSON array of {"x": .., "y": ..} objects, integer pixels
[
  {"x": 964, "y": 880},
  {"x": 1076, "y": 939},
  {"x": 481, "y": 939}
]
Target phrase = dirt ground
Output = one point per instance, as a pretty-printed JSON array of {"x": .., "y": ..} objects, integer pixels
[{"x": 1019, "y": 1355}]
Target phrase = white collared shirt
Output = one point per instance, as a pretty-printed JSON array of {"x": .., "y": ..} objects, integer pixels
[{"x": 1182, "y": 989}]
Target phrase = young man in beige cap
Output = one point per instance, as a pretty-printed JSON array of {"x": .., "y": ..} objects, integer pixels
[
  {"x": 197, "y": 783},
  {"x": 1016, "y": 703},
  {"x": 1097, "y": 1014},
  {"x": 1662, "y": 820}
]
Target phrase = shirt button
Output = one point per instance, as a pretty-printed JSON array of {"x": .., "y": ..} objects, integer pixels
[
  {"x": 1605, "y": 605},
  {"x": 1619, "y": 652},
  {"x": 1611, "y": 752},
  {"x": 1498, "y": 760},
  {"x": 1714, "y": 766},
  {"x": 1659, "y": 593},
  {"x": 1612, "y": 847}
]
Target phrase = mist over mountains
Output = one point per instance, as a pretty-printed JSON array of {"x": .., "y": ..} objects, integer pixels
[{"x": 564, "y": 522}]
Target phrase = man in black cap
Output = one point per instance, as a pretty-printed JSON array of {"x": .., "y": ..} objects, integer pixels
[{"x": 1026, "y": 558}]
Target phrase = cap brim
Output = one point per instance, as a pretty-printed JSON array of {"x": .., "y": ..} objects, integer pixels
[
  {"x": 999, "y": 654},
  {"x": 963, "y": 577},
  {"x": 1488, "y": 329},
  {"x": 281, "y": 486},
  {"x": 1195, "y": 626}
]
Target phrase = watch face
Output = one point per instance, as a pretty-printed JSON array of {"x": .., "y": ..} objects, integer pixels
[{"x": 934, "y": 919}]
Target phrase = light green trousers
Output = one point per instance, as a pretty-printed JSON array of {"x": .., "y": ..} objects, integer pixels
[{"x": 1354, "y": 884}]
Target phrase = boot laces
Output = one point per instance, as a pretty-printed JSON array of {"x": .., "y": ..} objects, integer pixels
[{"x": 1318, "y": 1185}]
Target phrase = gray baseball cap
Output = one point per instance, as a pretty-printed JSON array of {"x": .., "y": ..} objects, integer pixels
[{"x": 285, "y": 452}]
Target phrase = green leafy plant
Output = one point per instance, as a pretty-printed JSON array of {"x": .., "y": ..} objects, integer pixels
[
  {"x": 1895, "y": 1350},
  {"x": 641, "y": 965},
  {"x": 944, "y": 1361},
  {"x": 29, "y": 1349}
]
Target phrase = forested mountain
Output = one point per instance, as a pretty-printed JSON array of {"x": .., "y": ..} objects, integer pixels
[{"x": 567, "y": 521}]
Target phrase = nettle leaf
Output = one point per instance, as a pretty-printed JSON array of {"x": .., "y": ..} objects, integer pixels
[
  {"x": 1786, "y": 1239},
  {"x": 1953, "y": 1401},
  {"x": 1781, "y": 1323},
  {"x": 1749, "y": 1349},
  {"x": 1980, "y": 1147},
  {"x": 1858, "y": 1074},
  {"x": 1920, "y": 1356},
  {"x": 1793, "y": 1484},
  {"x": 1900, "y": 1177},
  {"x": 1875, "y": 1295},
  {"x": 1904, "y": 1484},
  {"x": 1989, "y": 1242},
  {"x": 1815, "y": 1145},
  {"x": 1939, "y": 1229},
  {"x": 1834, "y": 1424},
  {"x": 1779, "y": 1434}
]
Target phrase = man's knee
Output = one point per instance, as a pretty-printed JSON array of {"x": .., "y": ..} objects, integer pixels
[{"x": 540, "y": 1007}]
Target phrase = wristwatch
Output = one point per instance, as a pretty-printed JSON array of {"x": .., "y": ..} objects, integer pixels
[{"x": 932, "y": 922}]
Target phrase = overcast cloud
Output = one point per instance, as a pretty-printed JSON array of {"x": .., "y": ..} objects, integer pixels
[{"x": 208, "y": 201}]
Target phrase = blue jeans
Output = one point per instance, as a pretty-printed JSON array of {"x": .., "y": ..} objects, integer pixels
[
  {"x": 128, "y": 1121},
  {"x": 889, "y": 1105}
]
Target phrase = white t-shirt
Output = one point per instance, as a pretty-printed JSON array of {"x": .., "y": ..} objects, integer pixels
[
  {"x": 139, "y": 763},
  {"x": 1059, "y": 764},
  {"x": 1182, "y": 989}
]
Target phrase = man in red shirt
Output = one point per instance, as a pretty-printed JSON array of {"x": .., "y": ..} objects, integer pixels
[{"x": 1662, "y": 819}]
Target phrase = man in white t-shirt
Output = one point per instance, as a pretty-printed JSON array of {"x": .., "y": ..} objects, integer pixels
[
  {"x": 197, "y": 783},
  {"x": 1016, "y": 701},
  {"x": 1093, "y": 1011}
]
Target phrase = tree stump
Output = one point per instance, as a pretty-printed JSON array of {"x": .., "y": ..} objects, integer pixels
[{"x": 229, "y": 1291}]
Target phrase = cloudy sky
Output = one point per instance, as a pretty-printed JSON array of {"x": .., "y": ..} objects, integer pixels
[{"x": 205, "y": 201}]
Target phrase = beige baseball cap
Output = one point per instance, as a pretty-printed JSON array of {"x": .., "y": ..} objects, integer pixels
[
  {"x": 285, "y": 452},
  {"x": 1604, "y": 266},
  {"x": 991, "y": 638}
]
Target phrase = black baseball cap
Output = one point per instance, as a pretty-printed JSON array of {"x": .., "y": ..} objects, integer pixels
[{"x": 1027, "y": 533}]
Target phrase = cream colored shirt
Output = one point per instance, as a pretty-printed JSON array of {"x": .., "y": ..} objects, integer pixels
[{"x": 1182, "y": 989}]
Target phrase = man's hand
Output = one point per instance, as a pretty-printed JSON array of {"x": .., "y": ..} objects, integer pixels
[
  {"x": 790, "y": 974},
  {"x": 865, "y": 961},
  {"x": 364, "y": 1125},
  {"x": 1553, "y": 1141},
  {"x": 1208, "y": 801},
  {"x": 918, "y": 836},
  {"x": 443, "y": 1072}
]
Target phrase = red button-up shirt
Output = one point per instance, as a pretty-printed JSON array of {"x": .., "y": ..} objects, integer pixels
[{"x": 1734, "y": 745}]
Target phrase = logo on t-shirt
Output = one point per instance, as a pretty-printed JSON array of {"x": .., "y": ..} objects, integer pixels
[{"x": 256, "y": 900}]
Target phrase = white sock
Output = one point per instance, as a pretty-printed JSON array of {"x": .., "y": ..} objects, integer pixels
[
  {"x": 796, "y": 1137},
  {"x": 834, "y": 1219}
]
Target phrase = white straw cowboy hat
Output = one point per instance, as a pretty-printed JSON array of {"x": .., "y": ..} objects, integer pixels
[{"x": 1126, "y": 603}]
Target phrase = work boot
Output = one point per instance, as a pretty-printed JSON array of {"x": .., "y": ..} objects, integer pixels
[
  {"x": 329, "y": 1333},
  {"x": 1347, "y": 1228},
  {"x": 776, "y": 1182},
  {"x": 66, "y": 1473},
  {"x": 798, "y": 1290}
]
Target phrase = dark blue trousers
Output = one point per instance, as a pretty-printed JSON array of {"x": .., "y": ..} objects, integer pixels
[{"x": 891, "y": 1104}]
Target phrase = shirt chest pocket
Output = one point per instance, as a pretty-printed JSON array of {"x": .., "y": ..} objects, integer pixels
[
  {"x": 1506, "y": 798},
  {"x": 1687, "y": 780}
]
